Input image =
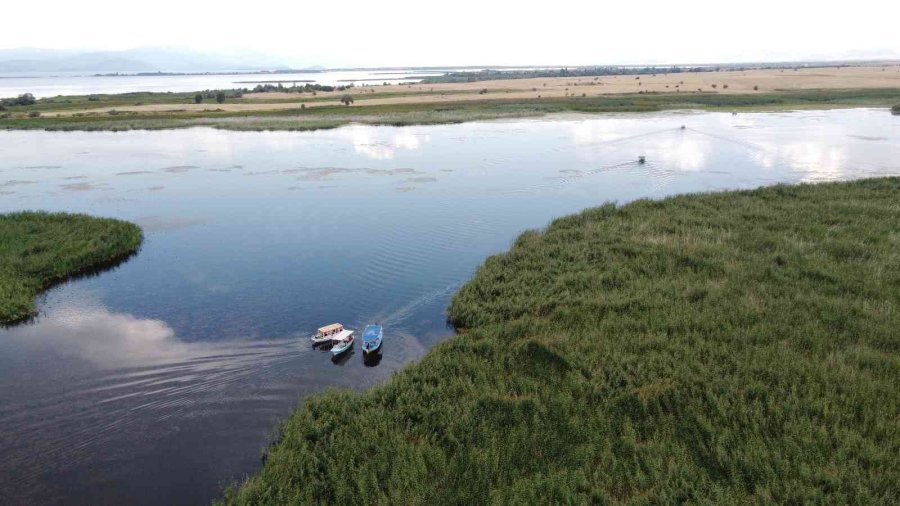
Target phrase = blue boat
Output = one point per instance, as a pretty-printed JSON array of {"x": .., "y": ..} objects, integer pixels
[{"x": 372, "y": 337}]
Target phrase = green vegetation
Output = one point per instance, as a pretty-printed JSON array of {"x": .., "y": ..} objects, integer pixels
[
  {"x": 304, "y": 88},
  {"x": 470, "y": 76},
  {"x": 494, "y": 75},
  {"x": 895, "y": 109},
  {"x": 308, "y": 118},
  {"x": 728, "y": 348},
  {"x": 38, "y": 249},
  {"x": 24, "y": 100}
]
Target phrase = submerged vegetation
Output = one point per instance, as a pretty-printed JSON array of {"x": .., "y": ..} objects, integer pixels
[
  {"x": 728, "y": 348},
  {"x": 302, "y": 117},
  {"x": 38, "y": 249}
]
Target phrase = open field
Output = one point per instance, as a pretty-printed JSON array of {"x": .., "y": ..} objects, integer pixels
[
  {"x": 838, "y": 86},
  {"x": 727, "y": 348},
  {"x": 330, "y": 116},
  {"x": 38, "y": 249}
]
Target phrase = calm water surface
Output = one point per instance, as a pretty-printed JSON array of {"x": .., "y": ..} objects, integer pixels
[{"x": 160, "y": 381}]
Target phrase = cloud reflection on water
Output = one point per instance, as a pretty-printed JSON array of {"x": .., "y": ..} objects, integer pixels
[
  {"x": 815, "y": 160},
  {"x": 382, "y": 144},
  {"x": 101, "y": 337}
]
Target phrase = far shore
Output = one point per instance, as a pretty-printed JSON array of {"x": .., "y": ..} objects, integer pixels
[{"x": 862, "y": 86}]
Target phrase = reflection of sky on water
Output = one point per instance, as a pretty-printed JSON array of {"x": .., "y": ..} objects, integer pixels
[
  {"x": 378, "y": 146},
  {"x": 192, "y": 348},
  {"x": 104, "y": 338}
]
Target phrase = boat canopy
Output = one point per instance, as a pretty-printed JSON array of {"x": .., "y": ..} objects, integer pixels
[
  {"x": 342, "y": 335},
  {"x": 331, "y": 328}
]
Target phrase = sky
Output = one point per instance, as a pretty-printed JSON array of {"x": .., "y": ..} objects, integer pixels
[{"x": 465, "y": 32}]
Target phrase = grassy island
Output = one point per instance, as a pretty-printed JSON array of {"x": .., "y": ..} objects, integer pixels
[
  {"x": 726, "y": 348},
  {"x": 38, "y": 249}
]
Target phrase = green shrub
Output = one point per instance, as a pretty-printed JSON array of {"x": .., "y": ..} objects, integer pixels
[
  {"x": 220, "y": 97},
  {"x": 198, "y": 98},
  {"x": 895, "y": 109}
]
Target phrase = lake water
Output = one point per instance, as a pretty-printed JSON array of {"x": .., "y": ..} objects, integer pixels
[
  {"x": 51, "y": 84},
  {"x": 161, "y": 381}
]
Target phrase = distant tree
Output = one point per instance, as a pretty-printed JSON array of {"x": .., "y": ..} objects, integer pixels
[
  {"x": 346, "y": 99},
  {"x": 896, "y": 110},
  {"x": 198, "y": 98},
  {"x": 220, "y": 96},
  {"x": 25, "y": 99},
  {"x": 34, "y": 114},
  {"x": 756, "y": 88}
]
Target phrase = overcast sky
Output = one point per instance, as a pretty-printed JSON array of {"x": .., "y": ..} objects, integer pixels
[{"x": 465, "y": 32}]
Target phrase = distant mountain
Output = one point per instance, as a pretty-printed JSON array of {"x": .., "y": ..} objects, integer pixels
[{"x": 149, "y": 59}]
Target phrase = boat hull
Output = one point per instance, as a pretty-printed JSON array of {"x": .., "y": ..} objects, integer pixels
[
  {"x": 339, "y": 348},
  {"x": 372, "y": 348}
]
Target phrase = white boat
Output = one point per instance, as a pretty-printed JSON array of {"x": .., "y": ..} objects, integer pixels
[
  {"x": 327, "y": 333},
  {"x": 343, "y": 344}
]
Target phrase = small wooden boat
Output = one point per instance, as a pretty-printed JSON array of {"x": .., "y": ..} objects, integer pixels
[
  {"x": 372, "y": 337},
  {"x": 343, "y": 344},
  {"x": 327, "y": 333}
]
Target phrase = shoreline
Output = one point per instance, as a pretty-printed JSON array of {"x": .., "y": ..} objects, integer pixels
[
  {"x": 302, "y": 108},
  {"x": 319, "y": 113}
]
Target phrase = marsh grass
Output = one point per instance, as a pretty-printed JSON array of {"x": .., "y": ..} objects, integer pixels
[
  {"x": 726, "y": 348},
  {"x": 312, "y": 118},
  {"x": 38, "y": 249}
]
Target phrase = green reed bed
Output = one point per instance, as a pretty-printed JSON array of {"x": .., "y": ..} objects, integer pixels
[
  {"x": 38, "y": 249},
  {"x": 726, "y": 348}
]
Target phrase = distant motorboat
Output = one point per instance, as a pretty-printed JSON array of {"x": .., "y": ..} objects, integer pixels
[
  {"x": 372, "y": 337},
  {"x": 327, "y": 333},
  {"x": 344, "y": 343}
]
